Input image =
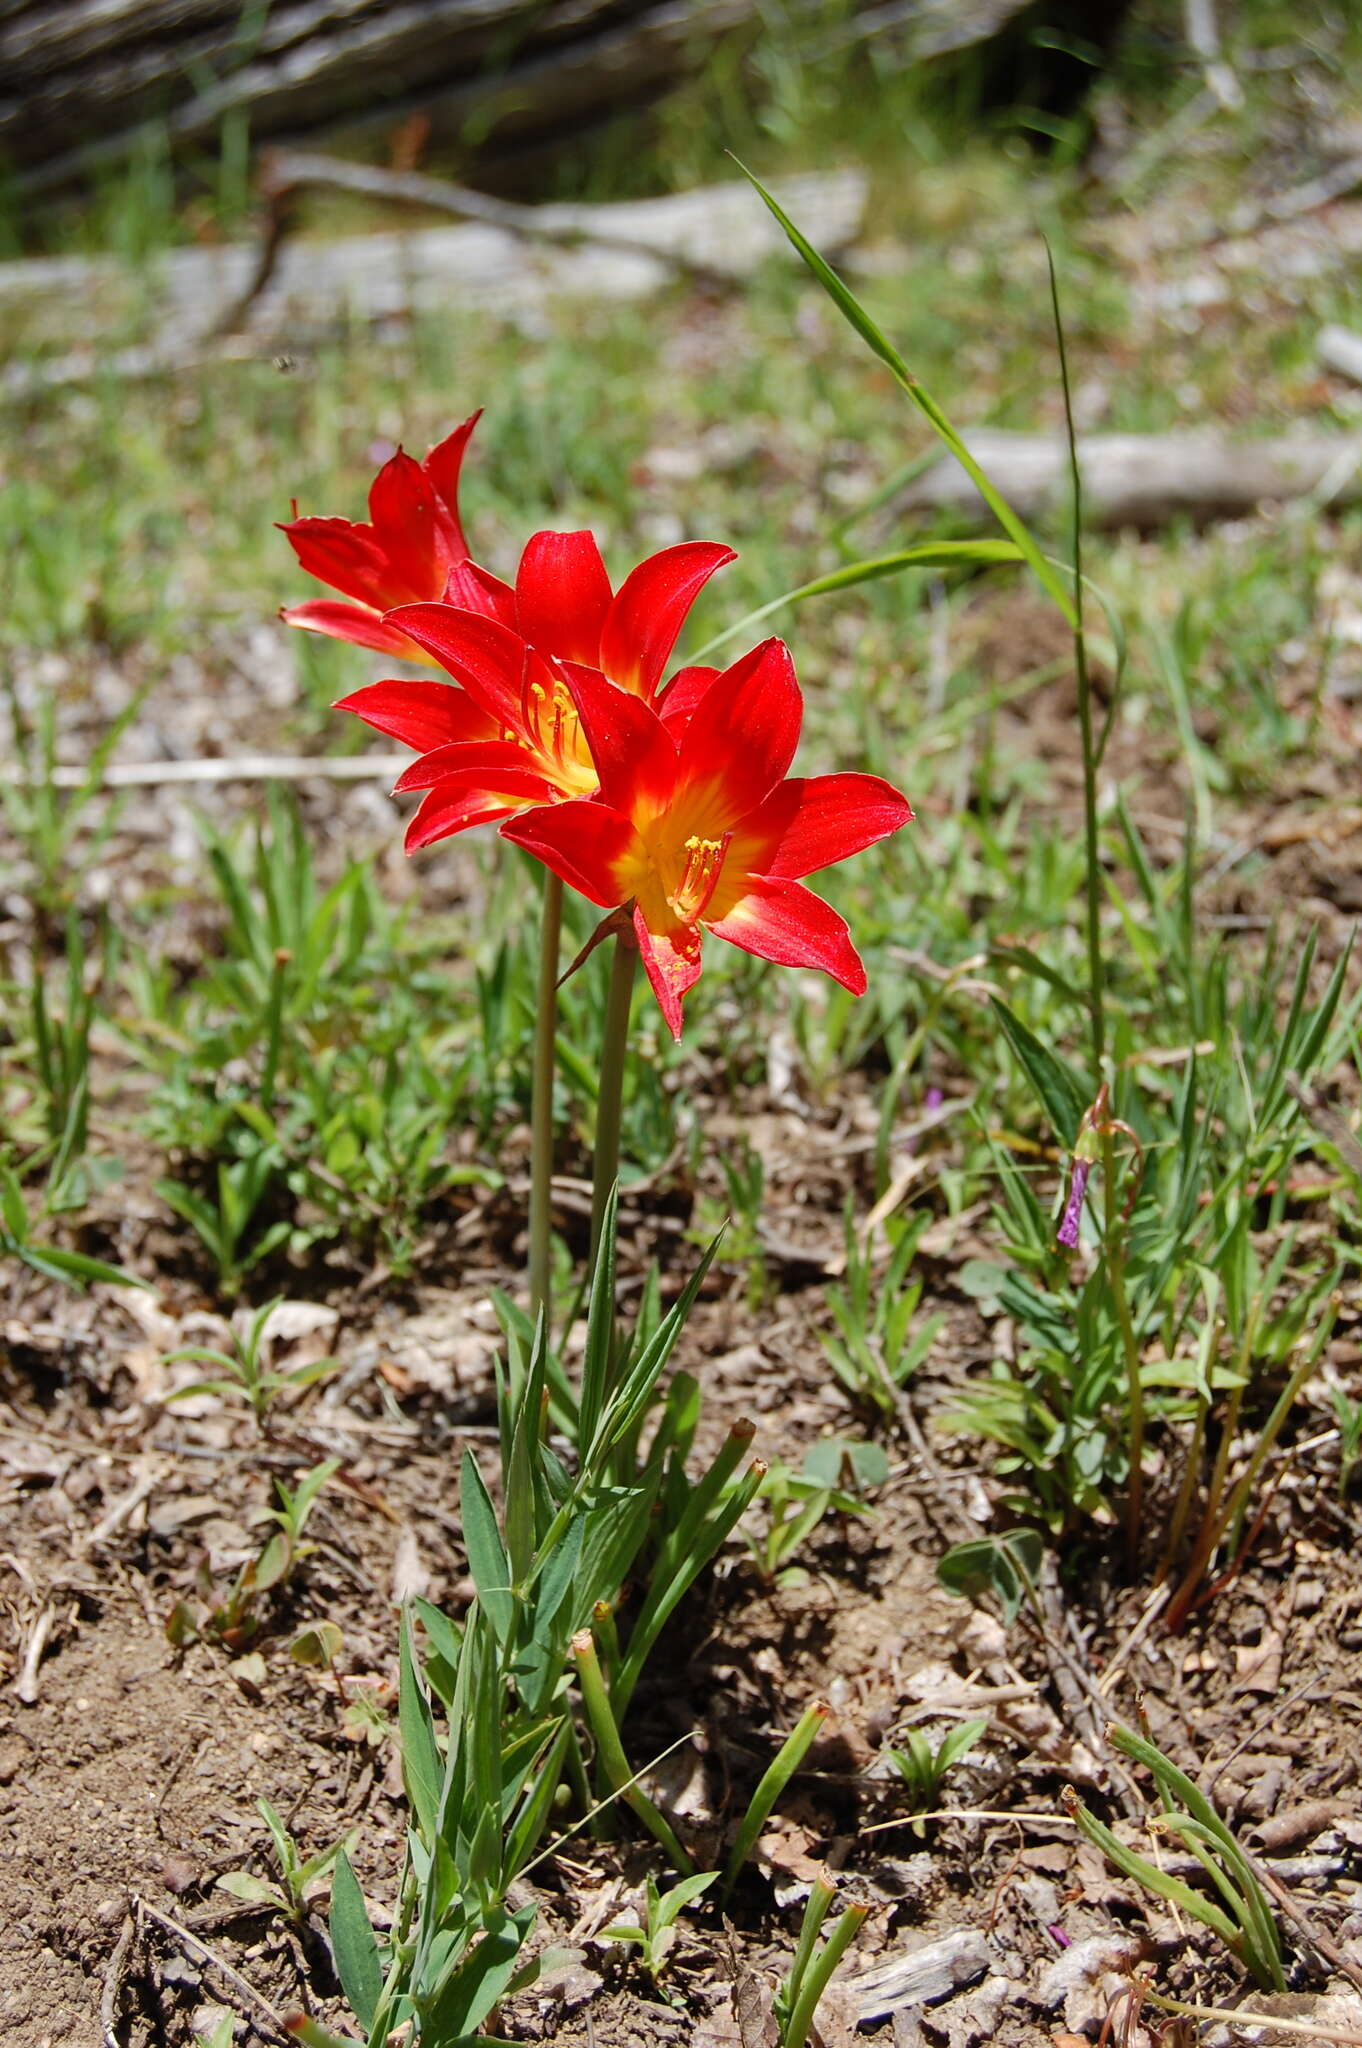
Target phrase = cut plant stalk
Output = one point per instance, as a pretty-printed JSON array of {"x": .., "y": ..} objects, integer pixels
[
  {"x": 610, "y": 1750},
  {"x": 811, "y": 1972},
  {"x": 541, "y": 1106}
]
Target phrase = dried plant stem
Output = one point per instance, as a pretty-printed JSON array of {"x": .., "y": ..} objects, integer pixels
[{"x": 541, "y": 1111}]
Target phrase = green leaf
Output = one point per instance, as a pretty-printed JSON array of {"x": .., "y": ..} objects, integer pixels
[
  {"x": 352, "y": 1938},
  {"x": 254, "y": 1890},
  {"x": 937, "y": 554},
  {"x": 1000, "y": 1565},
  {"x": 421, "y": 1770},
  {"x": 487, "y": 1559},
  {"x": 854, "y": 312},
  {"x": 1060, "y": 1093},
  {"x": 463, "y": 2001},
  {"x": 317, "y": 1646}
]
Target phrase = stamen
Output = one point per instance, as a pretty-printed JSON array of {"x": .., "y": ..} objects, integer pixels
[{"x": 699, "y": 876}]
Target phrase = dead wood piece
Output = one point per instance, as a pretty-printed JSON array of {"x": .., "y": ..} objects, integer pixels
[
  {"x": 268, "y": 2015},
  {"x": 307, "y": 288},
  {"x": 922, "y": 1976},
  {"x": 1340, "y": 350},
  {"x": 113, "y": 1984},
  {"x": 26, "y": 1684},
  {"x": 86, "y": 78},
  {"x": 1144, "y": 480},
  {"x": 234, "y": 768},
  {"x": 283, "y": 171}
]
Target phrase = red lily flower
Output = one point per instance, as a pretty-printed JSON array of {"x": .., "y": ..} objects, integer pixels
[
  {"x": 405, "y": 552},
  {"x": 507, "y": 732},
  {"x": 702, "y": 831}
]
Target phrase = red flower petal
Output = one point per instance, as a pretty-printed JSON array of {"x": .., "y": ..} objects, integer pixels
[
  {"x": 477, "y": 590},
  {"x": 350, "y": 559},
  {"x": 742, "y": 737},
  {"x": 422, "y": 714},
  {"x": 785, "y": 922},
  {"x": 442, "y": 465},
  {"x": 494, "y": 764},
  {"x": 562, "y": 595},
  {"x": 584, "y": 841},
  {"x": 486, "y": 657},
  {"x": 671, "y": 961},
  {"x": 809, "y": 822},
  {"x": 650, "y": 609},
  {"x": 352, "y": 622},
  {"x": 681, "y": 698},
  {"x": 634, "y": 753},
  {"x": 451, "y": 808},
  {"x": 402, "y": 508}
]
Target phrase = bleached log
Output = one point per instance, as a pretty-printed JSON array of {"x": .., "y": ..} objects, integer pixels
[
  {"x": 1143, "y": 480},
  {"x": 314, "y": 286},
  {"x": 1340, "y": 350}
]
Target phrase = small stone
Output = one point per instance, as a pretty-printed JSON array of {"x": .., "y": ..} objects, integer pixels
[
  {"x": 178, "y": 1873},
  {"x": 13, "y": 1757}
]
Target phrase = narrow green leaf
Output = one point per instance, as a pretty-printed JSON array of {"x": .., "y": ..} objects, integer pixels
[
  {"x": 937, "y": 554},
  {"x": 421, "y": 1769},
  {"x": 356, "y": 1950},
  {"x": 487, "y": 1559},
  {"x": 856, "y": 315},
  {"x": 1057, "y": 1088}
]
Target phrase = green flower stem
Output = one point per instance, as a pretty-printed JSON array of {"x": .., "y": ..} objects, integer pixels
[
  {"x": 541, "y": 1110},
  {"x": 274, "y": 1028},
  {"x": 609, "y": 1100},
  {"x": 610, "y": 1750},
  {"x": 817, "y": 1976},
  {"x": 788, "y": 1758},
  {"x": 1114, "y": 1251}
]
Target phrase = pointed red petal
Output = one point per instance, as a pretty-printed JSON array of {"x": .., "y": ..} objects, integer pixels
[
  {"x": 494, "y": 764},
  {"x": 442, "y": 465},
  {"x": 477, "y": 590},
  {"x": 584, "y": 841},
  {"x": 352, "y": 622},
  {"x": 809, "y": 822},
  {"x": 682, "y": 697},
  {"x": 349, "y": 558},
  {"x": 785, "y": 922},
  {"x": 742, "y": 737},
  {"x": 402, "y": 508},
  {"x": 562, "y": 595},
  {"x": 671, "y": 961},
  {"x": 451, "y": 808},
  {"x": 650, "y": 609},
  {"x": 421, "y": 713},
  {"x": 486, "y": 657},
  {"x": 634, "y": 753}
]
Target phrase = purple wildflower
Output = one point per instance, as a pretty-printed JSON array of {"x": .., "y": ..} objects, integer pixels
[{"x": 1073, "y": 1208}]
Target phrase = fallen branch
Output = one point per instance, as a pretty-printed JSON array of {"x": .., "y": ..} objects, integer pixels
[
  {"x": 1144, "y": 480},
  {"x": 287, "y": 291},
  {"x": 285, "y": 171},
  {"x": 1340, "y": 350},
  {"x": 238, "y": 768}
]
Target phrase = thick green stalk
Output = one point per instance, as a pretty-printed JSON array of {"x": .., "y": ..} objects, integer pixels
[
  {"x": 609, "y": 1100},
  {"x": 541, "y": 1109},
  {"x": 818, "y": 1974},
  {"x": 610, "y": 1751}
]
